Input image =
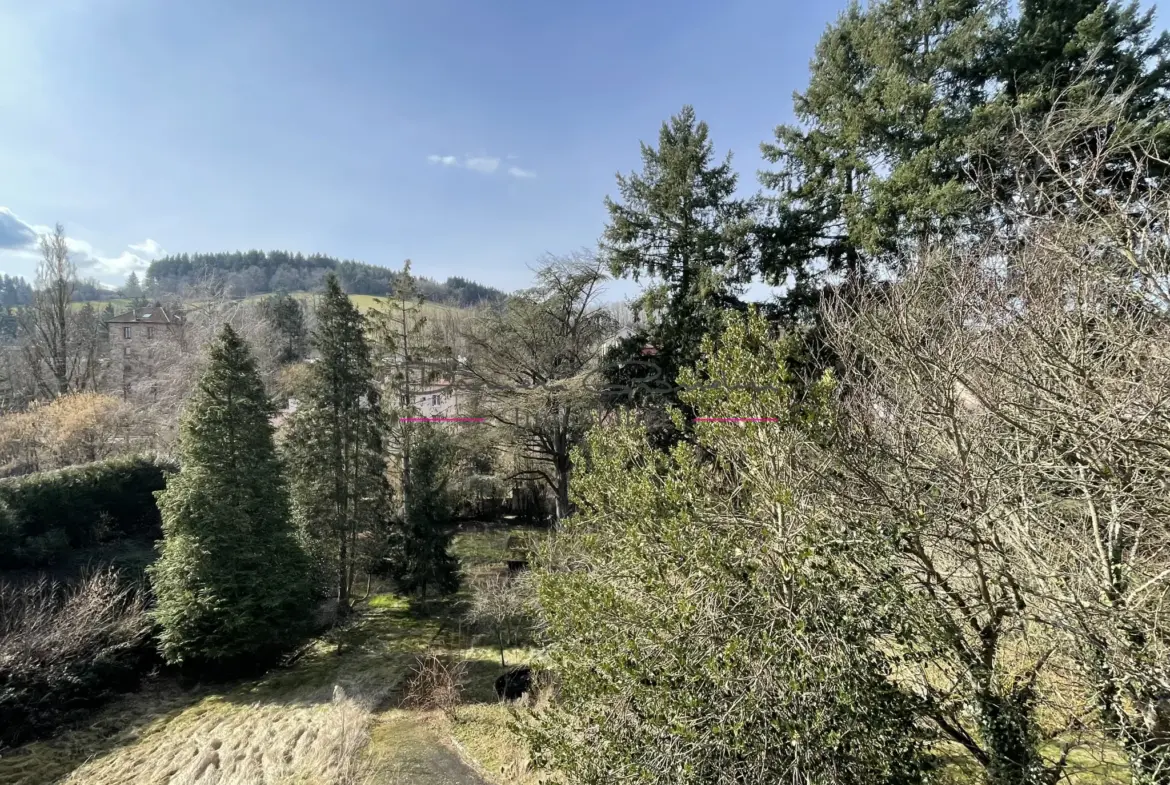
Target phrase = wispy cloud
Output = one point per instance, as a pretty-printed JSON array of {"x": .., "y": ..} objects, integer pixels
[
  {"x": 15, "y": 233},
  {"x": 148, "y": 247},
  {"x": 484, "y": 164},
  {"x": 117, "y": 266},
  {"x": 18, "y": 242}
]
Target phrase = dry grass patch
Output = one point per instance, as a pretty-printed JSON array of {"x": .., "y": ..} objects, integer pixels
[
  {"x": 239, "y": 744},
  {"x": 306, "y": 724}
]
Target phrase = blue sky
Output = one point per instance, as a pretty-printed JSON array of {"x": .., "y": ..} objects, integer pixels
[{"x": 470, "y": 137}]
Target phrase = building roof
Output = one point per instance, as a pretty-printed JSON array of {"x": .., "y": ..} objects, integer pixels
[{"x": 155, "y": 315}]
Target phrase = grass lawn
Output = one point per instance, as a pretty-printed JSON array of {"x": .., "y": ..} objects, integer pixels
[{"x": 332, "y": 716}]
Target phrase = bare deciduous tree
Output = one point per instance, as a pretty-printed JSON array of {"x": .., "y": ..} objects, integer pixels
[
  {"x": 1005, "y": 425},
  {"x": 60, "y": 343},
  {"x": 532, "y": 360}
]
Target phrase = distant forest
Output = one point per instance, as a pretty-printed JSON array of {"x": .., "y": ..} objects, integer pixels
[
  {"x": 260, "y": 272},
  {"x": 14, "y": 291}
]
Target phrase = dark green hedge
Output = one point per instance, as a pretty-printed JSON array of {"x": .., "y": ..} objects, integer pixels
[{"x": 49, "y": 514}]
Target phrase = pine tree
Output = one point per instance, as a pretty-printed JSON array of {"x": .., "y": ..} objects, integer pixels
[
  {"x": 1055, "y": 43},
  {"x": 335, "y": 448},
  {"x": 286, "y": 317},
  {"x": 907, "y": 104},
  {"x": 876, "y": 161},
  {"x": 133, "y": 290},
  {"x": 231, "y": 578},
  {"x": 415, "y": 555},
  {"x": 418, "y": 555},
  {"x": 1062, "y": 54},
  {"x": 397, "y": 327},
  {"x": 679, "y": 222}
]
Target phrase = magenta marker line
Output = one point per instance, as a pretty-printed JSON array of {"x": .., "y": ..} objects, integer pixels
[
  {"x": 736, "y": 419},
  {"x": 442, "y": 419}
]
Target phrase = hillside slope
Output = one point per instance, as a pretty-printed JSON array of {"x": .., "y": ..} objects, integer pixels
[{"x": 259, "y": 272}]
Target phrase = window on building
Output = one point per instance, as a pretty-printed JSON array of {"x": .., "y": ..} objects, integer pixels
[
  {"x": 434, "y": 400},
  {"x": 125, "y": 351},
  {"x": 126, "y": 332},
  {"x": 149, "y": 332}
]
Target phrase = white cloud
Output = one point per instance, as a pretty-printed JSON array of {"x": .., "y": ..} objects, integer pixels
[
  {"x": 15, "y": 233},
  {"x": 18, "y": 247},
  {"x": 116, "y": 266},
  {"x": 148, "y": 247},
  {"x": 485, "y": 165}
]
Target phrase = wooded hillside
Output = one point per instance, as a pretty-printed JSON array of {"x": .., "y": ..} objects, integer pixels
[{"x": 258, "y": 272}]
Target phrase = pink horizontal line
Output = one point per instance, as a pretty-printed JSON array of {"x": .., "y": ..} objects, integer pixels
[
  {"x": 736, "y": 419},
  {"x": 442, "y": 419}
]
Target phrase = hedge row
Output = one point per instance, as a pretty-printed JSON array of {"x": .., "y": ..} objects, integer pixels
[{"x": 43, "y": 516}]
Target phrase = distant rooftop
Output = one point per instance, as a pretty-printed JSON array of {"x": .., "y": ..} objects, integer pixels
[{"x": 153, "y": 315}]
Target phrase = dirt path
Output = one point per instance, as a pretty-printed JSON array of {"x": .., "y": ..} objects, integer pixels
[{"x": 415, "y": 755}]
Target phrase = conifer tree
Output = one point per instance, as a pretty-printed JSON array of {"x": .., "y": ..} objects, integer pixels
[
  {"x": 415, "y": 554},
  {"x": 907, "y": 106},
  {"x": 286, "y": 317},
  {"x": 231, "y": 580},
  {"x": 680, "y": 223},
  {"x": 405, "y": 359},
  {"x": 133, "y": 290},
  {"x": 1053, "y": 44},
  {"x": 335, "y": 448},
  {"x": 418, "y": 554},
  {"x": 1058, "y": 55},
  {"x": 876, "y": 159}
]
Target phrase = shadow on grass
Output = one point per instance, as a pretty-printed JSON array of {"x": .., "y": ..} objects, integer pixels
[
  {"x": 122, "y": 722},
  {"x": 371, "y": 654},
  {"x": 367, "y": 656}
]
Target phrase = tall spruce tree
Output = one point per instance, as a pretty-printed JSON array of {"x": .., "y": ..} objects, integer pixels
[
  {"x": 906, "y": 106},
  {"x": 1053, "y": 44},
  {"x": 337, "y": 464},
  {"x": 418, "y": 558},
  {"x": 406, "y": 366},
  {"x": 680, "y": 224},
  {"x": 133, "y": 290},
  {"x": 1057, "y": 55},
  {"x": 286, "y": 317},
  {"x": 877, "y": 158},
  {"x": 231, "y": 580}
]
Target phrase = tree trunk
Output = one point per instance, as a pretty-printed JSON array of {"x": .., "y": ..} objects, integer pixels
[
  {"x": 1007, "y": 725},
  {"x": 563, "y": 505},
  {"x": 342, "y": 588}
]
